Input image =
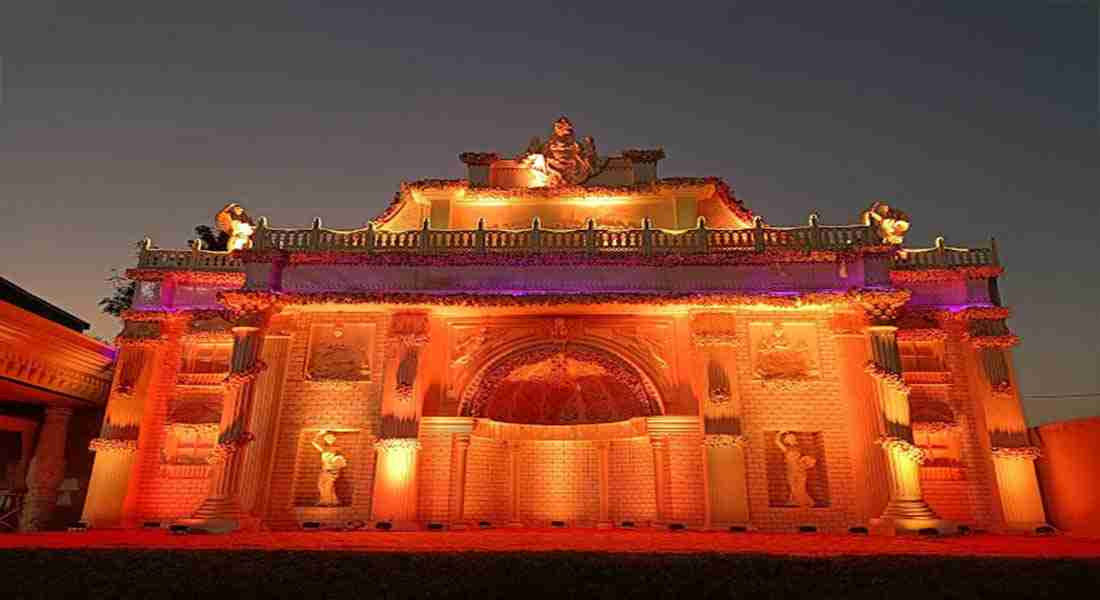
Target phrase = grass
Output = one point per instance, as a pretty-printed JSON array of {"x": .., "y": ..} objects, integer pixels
[{"x": 143, "y": 573}]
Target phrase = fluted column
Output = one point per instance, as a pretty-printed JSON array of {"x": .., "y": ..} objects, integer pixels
[
  {"x": 222, "y": 507},
  {"x": 513, "y": 483},
  {"x": 604, "y": 448},
  {"x": 47, "y": 469},
  {"x": 903, "y": 458},
  {"x": 459, "y": 461},
  {"x": 660, "y": 473}
]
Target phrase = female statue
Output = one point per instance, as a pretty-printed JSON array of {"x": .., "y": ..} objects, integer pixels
[
  {"x": 332, "y": 464},
  {"x": 797, "y": 465}
]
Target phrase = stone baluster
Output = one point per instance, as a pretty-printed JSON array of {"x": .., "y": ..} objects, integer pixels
[
  {"x": 47, "y": 469},
  {"x": 222, "y": 507}
]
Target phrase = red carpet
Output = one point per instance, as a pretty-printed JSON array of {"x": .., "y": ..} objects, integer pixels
[{"x": 583, "y": 540}]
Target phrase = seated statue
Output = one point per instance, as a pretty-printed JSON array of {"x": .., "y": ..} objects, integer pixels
[
  {"x": 562, "y": 159},
  {"x": 234, "y": 221},
  {"x": 890, "y": 222}
]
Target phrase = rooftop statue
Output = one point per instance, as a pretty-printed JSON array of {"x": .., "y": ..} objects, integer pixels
[
  {"x": 561, "y": 159},
  {"x": 235, "y": 221},
  {"x": 891, "y": 222}
]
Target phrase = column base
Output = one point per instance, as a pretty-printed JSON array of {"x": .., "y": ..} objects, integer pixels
[
  {"x": 895, "y": 526},
  {"x": 909, "y": 509},
  {"x": 217, "y": 515},
  {"x": 605, "y": 525}
]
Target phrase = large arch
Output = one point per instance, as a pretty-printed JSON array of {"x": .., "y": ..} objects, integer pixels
[{"x": 551, "y": 383}]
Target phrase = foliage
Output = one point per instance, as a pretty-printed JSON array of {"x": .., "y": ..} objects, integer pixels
[
  {"x": 212, "y": 240},
  {"x": 121, "y": 298}
]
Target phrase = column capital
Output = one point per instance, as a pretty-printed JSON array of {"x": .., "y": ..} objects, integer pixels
[{"x": 881, "y": 306}]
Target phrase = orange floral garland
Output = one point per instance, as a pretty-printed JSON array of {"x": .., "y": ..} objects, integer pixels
[{"x": 904, "y": 276}]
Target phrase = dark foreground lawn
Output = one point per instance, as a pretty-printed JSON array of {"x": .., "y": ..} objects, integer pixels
[{"x": 140, "y": 573}]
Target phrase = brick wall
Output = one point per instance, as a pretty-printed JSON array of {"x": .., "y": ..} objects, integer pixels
[
  {"x": 434, "y": 476},
  {"x": 487, "y": 481},
  {"x": 309, "y": 405},
  {"x": 812, "y": 406},
  {"x": 559, "y": 480},
  {"x": 684, "y": 496},
  {"x": 632, "y": 490}
]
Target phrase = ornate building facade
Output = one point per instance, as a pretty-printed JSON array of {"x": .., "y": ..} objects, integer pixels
[{"x": 565, "y": 338}]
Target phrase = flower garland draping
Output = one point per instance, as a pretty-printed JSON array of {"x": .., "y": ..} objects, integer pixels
[
  {"x": 903, "y": 448},
  {"x": 189, "y": 277},
  {"x": 921, "y": 335},
  {"x": 112, "y": 445},
  {"x": 724, "y": 440},
  {"x": 906, "y": 276},
  {"x": 930, "y": 427},
  {"x": 892, "y": 380},
  {"x": 257, "y": 301},
  {"x": 994, "y": 341},
  {"x": 387, "y": 444},
  {"x": 245, "y": 376},
  {"x": 1018, "y": 453}
]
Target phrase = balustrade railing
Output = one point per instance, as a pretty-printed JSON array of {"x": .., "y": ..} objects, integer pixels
[
  {"x": 942, "y": 256},
  {"x": 646, "y": 240}
]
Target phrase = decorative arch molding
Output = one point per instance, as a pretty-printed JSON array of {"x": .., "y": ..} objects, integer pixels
[{"x": 549, "y": 383}]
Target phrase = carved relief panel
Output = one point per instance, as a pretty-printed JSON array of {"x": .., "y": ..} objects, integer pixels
[
  {"x": 340, "y": 352},
  {"x": 784, "y": 353}
]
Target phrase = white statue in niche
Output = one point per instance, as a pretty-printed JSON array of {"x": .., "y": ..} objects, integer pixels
[
  {"x": 332, "y": 465},
  {"x": 235, "y": 222},
  {"x": 797, "y": 465}
]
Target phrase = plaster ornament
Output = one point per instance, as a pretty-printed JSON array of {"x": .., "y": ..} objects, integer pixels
[
  {"x": 797, "y": 464},
  {"x": 890, "y": 222},
  {"x": 561, "y": 159},
  {"x": 332, "y": 466},
  {"x": 780, "y": 358},
  {"x": 234, "y": 221}
]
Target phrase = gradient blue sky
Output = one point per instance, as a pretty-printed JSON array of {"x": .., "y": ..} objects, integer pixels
[{"x": 125, "y": 119}]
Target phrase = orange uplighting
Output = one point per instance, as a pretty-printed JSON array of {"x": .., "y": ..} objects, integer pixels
[{"x": 537, "y": 170}]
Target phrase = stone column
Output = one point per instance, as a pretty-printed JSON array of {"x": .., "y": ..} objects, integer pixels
[
  {"x": 47, "y": 469},
  {"x": 512, "y": 448},
  {"x": 906, "y": 505},
  {"x": 660, "y": 473},
  {"x": 267, "y": 399},
  {"x": 222, "y": 508},
  {"x": 604, "y": 448},
  {"x": 460, "y": 453}
]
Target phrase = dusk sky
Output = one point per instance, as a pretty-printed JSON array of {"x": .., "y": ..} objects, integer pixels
[{"x": 979, "y": 118}]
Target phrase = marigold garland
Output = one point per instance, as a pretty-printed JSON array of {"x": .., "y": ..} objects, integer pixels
[
  {"x": 930, "y": 427},
  {"x": 724, "y": 440},
  {"x": 904, "y": 448},
  {"x": 921, "y": 335},
  {"x": 234, "y": 278},
  {"x": 994, "y": 341},
  {"x": 1018, "y": 453},
  {"x": 910, "y": 276},
  {"x": 247, "y": 375},
  {"x": 112, "y": 445},
  {"x": 387, "y": 444},
  {"x": 893, "y": 380}
]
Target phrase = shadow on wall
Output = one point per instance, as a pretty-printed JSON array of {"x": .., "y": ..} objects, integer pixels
[{"x": 1069, "y": 473}]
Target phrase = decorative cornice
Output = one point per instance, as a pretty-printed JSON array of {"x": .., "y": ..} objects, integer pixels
[
  {"x": 921, "y": 335},
  {"x": 930, "y": 427},
  {"x": 881, "y": 306},
  {"x": 639, "y": 155},
  {"x": 27, "y": 367},
  {"x": 993, "y": 341}
]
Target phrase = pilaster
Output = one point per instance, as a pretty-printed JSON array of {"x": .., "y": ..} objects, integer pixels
[{"x": 47, "y": 469}]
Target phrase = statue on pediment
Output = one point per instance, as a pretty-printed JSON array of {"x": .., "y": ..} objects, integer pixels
[
  {"x": 561, "y": 159},
  {"x": 890, "y": 222},
  {"x": 234, "y": 221}
]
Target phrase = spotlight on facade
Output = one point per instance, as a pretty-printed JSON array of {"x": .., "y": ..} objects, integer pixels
[
  {"x": 627, "y": 524},
  {"x": 79, "y": 527},
  {"x": 965, "y": 530},
  {"x": 738, "y": 529},
  {"x": 179, "y": 529},
  {"x": 1045, "y": 530},
  {"x": 435, "y": 526},
  {"x": 858, "y": 530},
  {"x": 675, "y": 526},
  {"x": 383, "y": 525},
  {"x": 557, "y": 523},
  {"x": 311, "y": 526},
  {"x": 151, "y": 525},
  {"x": 807, "y": 529},
  {"x": 928, "y": 531},
  {"x": 484, "y": 524}
]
